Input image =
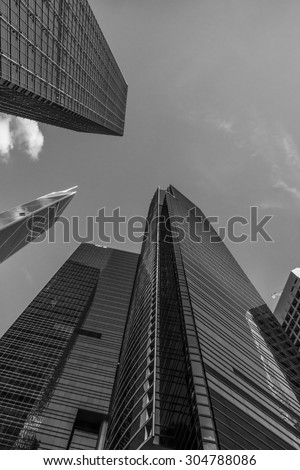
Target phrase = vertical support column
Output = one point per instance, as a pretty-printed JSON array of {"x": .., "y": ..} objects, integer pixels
[
  {"x": 156, "y": 318},
  {"x": 102, "y": 435}
]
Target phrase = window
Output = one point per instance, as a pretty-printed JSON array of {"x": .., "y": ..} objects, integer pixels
[
  {"x": 91, "y": 334},
  {"x": 85, "y": 430}
]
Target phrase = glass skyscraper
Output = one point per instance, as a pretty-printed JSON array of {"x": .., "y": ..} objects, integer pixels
[
  {"x": 23, "y": 224},
  {"x": 287, "y": 310},
  {"x": 195, "y": 370},
  {"x": 56, "y": 67},
  {"x": 58, "y": 360},
  {"x": 168, "y": 349}
]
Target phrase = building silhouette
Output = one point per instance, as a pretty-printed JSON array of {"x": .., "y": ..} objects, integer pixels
[
  {"x": 56, "y": 67},
  {"x": 162, "y": 350},
  {"x": 23, "y": 224}
]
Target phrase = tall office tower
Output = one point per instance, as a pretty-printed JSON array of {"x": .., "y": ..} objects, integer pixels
[
  {"x": 23, "y": 224},
  {"x": 282, "y": 329},
  {"x": 195, "y": 371},
  {"x": 282, "y": 345},
  {"x": 287, "y": 310},
  {"x": 56, "y": 67},
  {"x": 58, "y": 360}
]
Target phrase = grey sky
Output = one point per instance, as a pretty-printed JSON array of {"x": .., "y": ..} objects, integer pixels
[{"x": 213, "y": 108}]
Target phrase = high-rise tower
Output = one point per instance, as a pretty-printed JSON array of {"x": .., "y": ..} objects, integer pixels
[
  {"x": 56, "y": 67},
  {"x": 58, "y": 360},
  {"x": 23, "y": 224},
  {"x": 195, "y": 370},
  {"x": 287, "y": 310}
]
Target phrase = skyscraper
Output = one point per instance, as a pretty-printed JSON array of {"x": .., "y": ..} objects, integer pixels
[
  {"x": 281, "y": 344},
  {"x": 282, "y": 329},
  {"x": 165, "y": 350},
  {"x": 56, "y": 67},
  {"x": 23, "y": 224},
  {"x": 287, "y": 310},
  {"x": 58, "y": 360},
  {"x": 195, "y": 371}
]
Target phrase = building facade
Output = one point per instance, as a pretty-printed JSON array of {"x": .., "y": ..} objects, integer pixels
[
  {"x": 23, "y": 224},
  {"x": 282, "y": 345},
  {"x": 287, "y": 310},
  {"x": 58, "y": 360},
  {"x": 56, "y": 67},
  {"x": 195, "y": 370}
]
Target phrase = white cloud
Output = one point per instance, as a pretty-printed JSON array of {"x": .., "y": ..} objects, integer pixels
[
  {"x": 225, "y": 125},
  {"x": 286, "y": 171},
  {"x": 6, "y": 139},
  {"x": 29, "y": 137},
  {"x": 290, "y": 150},
  {"x": 269, "y": 141},
  {"x": 277, "y": 147},
  {"x": 16, "y": 132},
  {"x": 281, "y": 184}
]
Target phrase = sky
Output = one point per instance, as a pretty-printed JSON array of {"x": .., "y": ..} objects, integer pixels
[{"x": 213, "y": 108}]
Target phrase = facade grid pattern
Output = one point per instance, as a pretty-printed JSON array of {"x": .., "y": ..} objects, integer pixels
[
  {"x": 85, "y": 385},
  {"x": 58, "y": 360},
  {"x": 33, "y": 351},
  {"x": 56, "y": 66},
  {"x": 244, "y": 377},
  {"x": 157, "y": 382},
  {"x": 133, "y": 403},
  {"x": 231, "y": 389},
  {"x": 287, "y": 310}
]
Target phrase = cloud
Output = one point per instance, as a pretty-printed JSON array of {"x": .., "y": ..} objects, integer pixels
[
  {"x": 29, "y": 137},
  {"x": 225, "y": 125},
  {"x": 289, "y": 149},
  {"x": 286, "y": 171},
  {"x": 277, "y": 148},
  {"x": 281, "y": 184},
  {"x": 24, "y": 134},
  {"x": 6, "y": 138},
  {"x": 269, "y": 141}
]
